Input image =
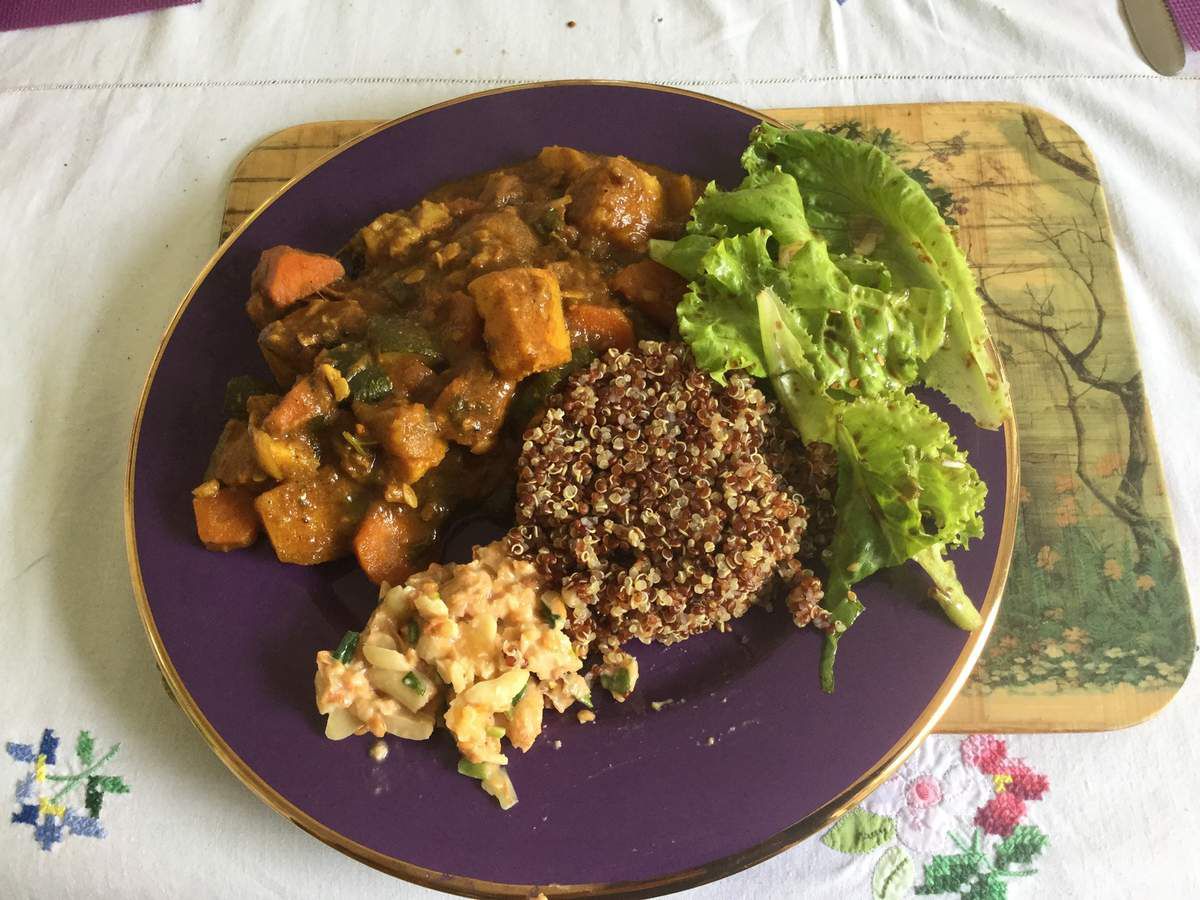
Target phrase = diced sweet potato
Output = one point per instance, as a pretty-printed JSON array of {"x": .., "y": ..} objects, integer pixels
[
  {"x": 616, "y": 201},
  {"x": 233, "y": 460},
  {"x": 291, "y": 344},
  {"x": 599, "y": 327},
  {"x": 653, "y": 289},
  {"x": 226, "y": 520},
  {"x": 285, "y": 275},
  {"x": 313, "y": 520},
  {"x": 471, "y": 408},
  {"x": 522, "y": 321},
  {"x": 566, "y": 162},
  {"x": 310, "y": 398},
  {"x": 408, "y": 434},
  {"x": 390, "y": 542}
]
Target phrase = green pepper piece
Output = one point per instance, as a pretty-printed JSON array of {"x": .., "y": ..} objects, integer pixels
[{"x": 346, "y": 648}]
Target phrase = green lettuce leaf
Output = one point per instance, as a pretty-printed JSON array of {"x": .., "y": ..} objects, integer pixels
[
  {"x": 905, "y": 491},
  {"x": 718, "y": 316},
  {"x": 787, "y": 350},
  {"x": 859, "y": 200},
  {"x": 858, "y": 341},
  {"x": 767, "y": 199}
]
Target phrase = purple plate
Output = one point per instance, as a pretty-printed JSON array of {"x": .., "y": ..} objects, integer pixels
[{"x": 748, "y": 759}]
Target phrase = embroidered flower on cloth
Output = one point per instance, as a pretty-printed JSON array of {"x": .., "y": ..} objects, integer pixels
[
  {"x": 927, "y": 797},
  {"x": 950, "y": 822},
  {"x": 44, "y": 795}
]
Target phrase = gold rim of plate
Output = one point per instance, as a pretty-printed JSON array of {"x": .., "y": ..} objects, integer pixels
[{"x": 474, "y": 887}]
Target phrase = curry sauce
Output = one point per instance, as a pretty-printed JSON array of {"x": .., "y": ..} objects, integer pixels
[{"x": 409, "y": 364}]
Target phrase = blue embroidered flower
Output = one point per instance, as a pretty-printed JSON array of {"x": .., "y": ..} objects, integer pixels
[{"x": 43, "y": 795}]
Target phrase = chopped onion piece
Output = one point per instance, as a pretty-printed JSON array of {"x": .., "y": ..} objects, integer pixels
[
  {"x": 385, "y": 658},
  {"x": 340, "y": 724}
]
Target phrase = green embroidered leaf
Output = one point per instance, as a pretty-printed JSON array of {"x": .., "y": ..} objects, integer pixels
[
  {"x": 1024, "y": 844},
  {"x": 989, "y": 887},
  {"x": 893, "y": 875},
  {"x": 85, "y": 747},
  {"x": 93, "y": 797},
  {"x": 859, "y": 831},
  {"x": 113, "y": 784},
  {"x": 950, "y": 874}
]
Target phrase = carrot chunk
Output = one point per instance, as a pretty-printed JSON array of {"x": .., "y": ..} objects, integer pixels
[
  {"x": 599, "y": 327},
  {"x": 390, "y": 541},
  {"x": 285, "y": 274},
  {"x": 225, "y": 520},
  {"x": 653, "y": 289}
]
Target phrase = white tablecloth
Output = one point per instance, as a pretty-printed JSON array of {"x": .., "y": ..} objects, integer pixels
[{"x": 118, "y": 140}]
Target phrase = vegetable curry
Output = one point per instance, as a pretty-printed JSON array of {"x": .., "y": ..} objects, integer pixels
[{"x": 409, "y": 365}]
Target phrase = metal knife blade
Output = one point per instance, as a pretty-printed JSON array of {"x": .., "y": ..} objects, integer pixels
[{"x": 1155, "y": 34}]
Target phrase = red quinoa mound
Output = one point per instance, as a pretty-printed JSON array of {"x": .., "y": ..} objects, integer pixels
[{"x": 646, "y": 490}]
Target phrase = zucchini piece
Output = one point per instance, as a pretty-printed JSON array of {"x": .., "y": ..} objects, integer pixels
[
  {"x": 238, "y": 390},
  {"x": 349, "y": 359},
  {"x": 536, "y": 389},
  {"x": 402, "y": 334},
  {"x": 370, "y": 385}
]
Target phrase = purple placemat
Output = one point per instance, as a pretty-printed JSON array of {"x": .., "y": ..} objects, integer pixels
[
  {"x": 15, "y": 14},
  {"x": 1186, "y": 14}
]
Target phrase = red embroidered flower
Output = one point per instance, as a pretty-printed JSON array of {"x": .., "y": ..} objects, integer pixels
[
  {"x": 1001, "y": 814},
  {"x": 1026, "y": 783},
  {"x": 985, "y": 752},
  {"x": 1013, "y": 781}
]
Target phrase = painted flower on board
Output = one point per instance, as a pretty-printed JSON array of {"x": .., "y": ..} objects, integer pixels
[
  {"x": 1113, "y": 570},
  {"x": 1145, "y": 583},
  {"x": 1067, "y": 512},
  {"x": 1047, "y": 558},
  {"x": 1064, "y": 484},
  {"x": 1108, "y": 464}
]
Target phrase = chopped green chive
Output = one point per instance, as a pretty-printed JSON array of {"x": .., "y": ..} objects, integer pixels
[
  {"x": 356, "y": 444},
  {"x": 411, "y": 680},
  {"x": 520, "y": 694},
  {"x": 345, "y": 649},
  {"x": 412, "y": 632},
  {"x": 472, "y": 769},
  {"x": 551, "y": 619},
  {"x": 495, "y": 731}
]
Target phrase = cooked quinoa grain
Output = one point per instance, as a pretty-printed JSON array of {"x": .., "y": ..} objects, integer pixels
[{"x": 646, "y": 491}]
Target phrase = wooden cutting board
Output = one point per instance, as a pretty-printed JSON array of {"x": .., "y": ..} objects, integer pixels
[{"x": 1095, "y": 631}]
